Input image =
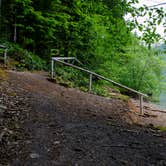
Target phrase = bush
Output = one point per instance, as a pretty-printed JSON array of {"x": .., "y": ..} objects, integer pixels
[{"x": 24, "y": 59}]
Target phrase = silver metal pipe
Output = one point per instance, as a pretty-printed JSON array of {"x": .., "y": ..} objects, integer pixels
[
  {"x": 58, "y": 59},
  {"x": 5, "y": 56},
  {"x": 52, "y": 68},
  {"x": 141, "y": 105},
  {"x": 90, "y": 82},
  {"x": 102, "y": 77},
  {"x": 63, "y": 58},
  {"x": 2, "y": 46}
]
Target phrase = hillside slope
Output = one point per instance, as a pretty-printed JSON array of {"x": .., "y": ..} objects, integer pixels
[{"x": 42, "y": 123}]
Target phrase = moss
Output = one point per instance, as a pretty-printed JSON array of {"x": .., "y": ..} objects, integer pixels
[
  {"x": 12, "y": 94},
  {"x": 84, "y": 89},
  {"x": 120, "y": 96},
  {"x": 60, "y": 81},
  {"x": 3, "y": 75},
  {"x": 64, "y": 78},
  {"x": 161, "y": 128}
]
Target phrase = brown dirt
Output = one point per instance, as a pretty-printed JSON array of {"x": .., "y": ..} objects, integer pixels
[
  {"x": 153, "y": 116},
  {"x": 47, "y": 124}
]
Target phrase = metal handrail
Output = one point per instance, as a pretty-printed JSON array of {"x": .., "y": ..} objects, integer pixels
[
  {"x": 59, "y": 59},
  {"x": 66, "y": 58},
  {"x": 2, "y": 46},
  {"x": 5, "y": 53}
]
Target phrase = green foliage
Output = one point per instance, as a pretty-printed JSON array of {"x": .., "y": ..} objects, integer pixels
[
  {"x": 75, "y": 77},
  {"x": 136, "y": 67},
  {"x": 93, "y": 31},
  {"x": 1, "y": 51},
  {"x": 154, "y": 16},
  {"x": 24, "y": 59},
  {"x": 161, "y": 128},
  {"x": 99, "y": 90},
  {"x": 3, "y": 75}
]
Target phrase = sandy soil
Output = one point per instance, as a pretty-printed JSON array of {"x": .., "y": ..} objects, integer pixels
[{"x": 45, "y": 124}]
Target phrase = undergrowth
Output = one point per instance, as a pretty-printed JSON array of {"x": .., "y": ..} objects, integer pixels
[
  {"x": 161, "y": 128},
  {"x": 125, "y": 69},
  {"x": 21, "y": 59},
  {"x": 73, "y": 78}
]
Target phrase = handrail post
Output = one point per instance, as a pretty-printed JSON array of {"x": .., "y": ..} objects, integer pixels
[
  {"x": 141, "y": 105},
  {"x": 5, "y": 57},
  {"x": 52, "y": 68},
  {"x": 90, "y": 82}
]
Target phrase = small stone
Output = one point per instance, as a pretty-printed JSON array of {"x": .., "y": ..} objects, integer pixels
[
  {"x": 28, "y": 142},
  {"x": 3, "y": 107},
  {"x": 34, "y": 155},
  {"x": 56, "y": 142}
]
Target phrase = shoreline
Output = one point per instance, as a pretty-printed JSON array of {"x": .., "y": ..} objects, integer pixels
[{"x": 153, "y": 116}]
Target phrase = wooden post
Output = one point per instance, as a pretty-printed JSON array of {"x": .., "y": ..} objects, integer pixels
[
  {"x": 5, "y": 57},
  {"x": 141, "y": 105},
  {"x": 90, "y": 82},
  {"x": 52, "y": 68}
]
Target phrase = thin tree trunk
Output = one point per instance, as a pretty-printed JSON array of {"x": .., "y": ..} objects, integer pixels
[
  {"x": 0, "y": 13},
  {"x": 15, "y": 33},
  {"x": 0, "y": 8}
]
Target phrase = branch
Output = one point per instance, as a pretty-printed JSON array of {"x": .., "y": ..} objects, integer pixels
[{"x": 160, "y": 4}]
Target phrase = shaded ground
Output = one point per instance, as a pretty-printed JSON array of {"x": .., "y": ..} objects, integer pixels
[{"x": 45, "y": 124}]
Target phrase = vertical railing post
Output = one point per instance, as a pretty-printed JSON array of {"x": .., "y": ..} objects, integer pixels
[
  {"x": 52, "y": 68},
  {"x": 90, "y": 82},
  {"x": 5, "y": 56},
  {"x": 141, "y": 105}
]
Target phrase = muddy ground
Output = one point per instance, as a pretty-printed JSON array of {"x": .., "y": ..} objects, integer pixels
[{"x": 45, "y": 124}]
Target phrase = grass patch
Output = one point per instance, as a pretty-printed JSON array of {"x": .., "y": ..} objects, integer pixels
[
  {"x": 68, "y": 80},
  {"x": 161, "y": 128},
  {"x": 60, "y": 81},
  {"x": 3, "y": 75},
  {"x": 120, "y": 97}
]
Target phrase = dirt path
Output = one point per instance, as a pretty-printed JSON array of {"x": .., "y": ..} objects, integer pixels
[{"x": 45, "y": 124}]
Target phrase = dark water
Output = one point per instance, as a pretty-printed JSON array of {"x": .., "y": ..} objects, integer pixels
[
  {"x": 162, "y": 103},
  {"x": 162, "y": 100}
]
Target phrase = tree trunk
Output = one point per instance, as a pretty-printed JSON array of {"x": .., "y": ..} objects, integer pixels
[
  {"x": 15, "y": 33},
  {"x": 0, "y": 7},
  {"x": 0, "y": 13}
]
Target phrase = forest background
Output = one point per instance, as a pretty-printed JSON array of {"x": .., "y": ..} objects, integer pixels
[{"x": 93, "y": 31}]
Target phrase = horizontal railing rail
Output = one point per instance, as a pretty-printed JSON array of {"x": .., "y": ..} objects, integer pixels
[
  {"x": 91, "y": 74},
  {"x": 67, "y": 58},
  {"x": 2, "y": 46}
]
